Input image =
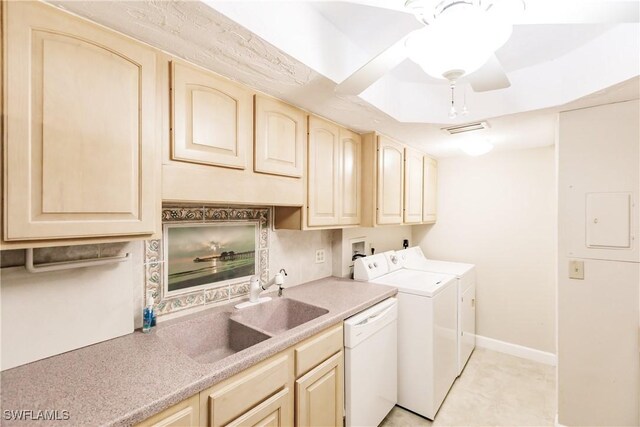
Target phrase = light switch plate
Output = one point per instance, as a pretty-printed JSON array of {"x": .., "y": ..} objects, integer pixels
[
  {"x": 319, "y": 256},
  {"x": 576, "y": 270}
]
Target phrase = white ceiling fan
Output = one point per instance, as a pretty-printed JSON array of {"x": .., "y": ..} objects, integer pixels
[{"x": 460, "y": 37}]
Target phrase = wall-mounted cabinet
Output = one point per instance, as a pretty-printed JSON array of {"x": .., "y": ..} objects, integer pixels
[
  {"x": 213, "y": 143},
  {"x": 383, "y": 181},
  {"x": 334, "y": 180},
  {"x": 211, "y": 118},
  {"x": 413, "y": 186},
  {"x": 80, "y": 128},
  {"x": 399, "y": 183},
  {"x": 323, "y": 191},
  {"x": 350, "y": 177},
  {"x": 430, "y": 186},
  {"x": 280, "y": 137}
]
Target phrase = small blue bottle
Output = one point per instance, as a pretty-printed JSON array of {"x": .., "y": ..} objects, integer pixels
[{"x": 148, "y": 316}]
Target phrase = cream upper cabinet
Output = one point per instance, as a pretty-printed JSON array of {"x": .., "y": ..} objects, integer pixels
[
  {"x": 212, "y": 118},
  {"x": 350, "y": 177},
  {"x": 412, "y": 186},
  {"x": 430, "y": 185},
  {"x": 323, "y": 173},
  {"x": 390, "y": 181},
  {"x": 81, "y": 129},
  {"x": 280, "y": 138},
  {"x": 320, "y": 394}
]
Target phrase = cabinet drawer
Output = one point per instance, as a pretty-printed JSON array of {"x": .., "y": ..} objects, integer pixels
[
  {"x": 183, "y": 414},
  {"x": 247, "y": 390},
  {"x": 317, "y": 349}
]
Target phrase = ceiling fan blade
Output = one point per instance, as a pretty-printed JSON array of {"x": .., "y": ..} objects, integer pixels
[
  {"x": 373, "y": 70},
  {"x": 490, "y": 77},
  {"x": 580, "y": 12}
]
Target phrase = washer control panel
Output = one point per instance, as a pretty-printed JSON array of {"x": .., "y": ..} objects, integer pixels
[{"x": 370, "y": 267}]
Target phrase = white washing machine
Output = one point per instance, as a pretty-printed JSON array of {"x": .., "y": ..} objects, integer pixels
[
  {"x": 427, "y": 320},
  {"x": 413, "y": 258}
]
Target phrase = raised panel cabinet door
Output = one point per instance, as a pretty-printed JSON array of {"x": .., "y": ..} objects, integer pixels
[
  {"x": 413, "y": 181},
  {"x": 280, "y": 136},
  {"x": 430, "y": 196},
  {"x": 323, "y": 173},
  {"x": 351, "y": 176},
  {"x": 390, "y": 181},
  {"x": 320, "y": 394},
  {"x": 212, "y": 118},
  {"x": 81, "y": 128},
  {"x": 273, "y": 412}
]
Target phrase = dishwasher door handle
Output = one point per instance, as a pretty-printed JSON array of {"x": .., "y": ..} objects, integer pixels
[{"x": 374, "y": 317}]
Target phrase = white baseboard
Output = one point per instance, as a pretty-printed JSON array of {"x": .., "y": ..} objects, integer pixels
[{"x": 516, "y": 350}]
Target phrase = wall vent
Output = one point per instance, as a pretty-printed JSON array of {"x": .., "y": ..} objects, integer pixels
[{"x": 467, "y": 127}]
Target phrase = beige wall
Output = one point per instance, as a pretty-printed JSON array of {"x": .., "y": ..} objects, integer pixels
[{"x": 498, "y": 211}]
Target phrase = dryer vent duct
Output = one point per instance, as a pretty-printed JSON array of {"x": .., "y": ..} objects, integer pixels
[{"x": 467, "y": 127}]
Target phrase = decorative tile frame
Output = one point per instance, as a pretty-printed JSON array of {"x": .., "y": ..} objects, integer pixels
[{"x": 155, "y": 262}]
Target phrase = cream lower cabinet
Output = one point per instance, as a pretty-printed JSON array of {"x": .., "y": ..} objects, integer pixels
[
  {"x": 430, "y": 186},
  {"x": 413, "y": 182},
  {"x": 81, "y": 129},
  {"x": 319, "y": 394},
  {"x": 302, "y": 386},
  {"x": 183, "y": 414}
]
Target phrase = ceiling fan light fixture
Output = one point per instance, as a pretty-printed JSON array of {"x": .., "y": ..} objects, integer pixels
[{"x": 462, "y": 37}]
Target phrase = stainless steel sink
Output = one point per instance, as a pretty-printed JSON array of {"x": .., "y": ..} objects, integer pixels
[
  {"x": 210, "y": 338},
  {"x": 278, "y": 315}
]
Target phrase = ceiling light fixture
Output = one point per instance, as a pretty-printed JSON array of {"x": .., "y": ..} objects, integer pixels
[
  {"x": 476, "y": 147},
  {"x": 460, "y": 35}
]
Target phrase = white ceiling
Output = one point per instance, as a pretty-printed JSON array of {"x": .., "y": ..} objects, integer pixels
[{"x": 299, "y": 50}]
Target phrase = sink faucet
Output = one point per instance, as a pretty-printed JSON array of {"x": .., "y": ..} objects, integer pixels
[{"x": 278, "y": 279}]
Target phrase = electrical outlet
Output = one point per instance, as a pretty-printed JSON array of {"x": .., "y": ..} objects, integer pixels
[{"x": 319, "y": 256}]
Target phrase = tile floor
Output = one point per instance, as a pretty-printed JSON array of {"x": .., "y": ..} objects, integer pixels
[{"x": 495, "y": 389}]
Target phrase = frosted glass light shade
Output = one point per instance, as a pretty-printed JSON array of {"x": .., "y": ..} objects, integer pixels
[
  {"x": 475, "y": 147},
  {"x": 461, "y": 39}
]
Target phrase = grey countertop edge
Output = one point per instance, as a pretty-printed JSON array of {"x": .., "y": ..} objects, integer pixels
[{"x": 341, "y": 302}]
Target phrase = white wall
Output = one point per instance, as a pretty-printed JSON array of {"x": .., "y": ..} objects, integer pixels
[
  {"x": 498, "y": 211},
  {"x": 598, "y": 366},
  {"x": 49, "y": 313},
  {"x": 295, "y": 251}
]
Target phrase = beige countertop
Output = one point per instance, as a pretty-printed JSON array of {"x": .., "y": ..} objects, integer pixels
[{"x": 126, "y": 380}]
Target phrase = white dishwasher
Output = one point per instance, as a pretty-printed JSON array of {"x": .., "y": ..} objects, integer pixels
[{"x": 371, "y": 374}]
